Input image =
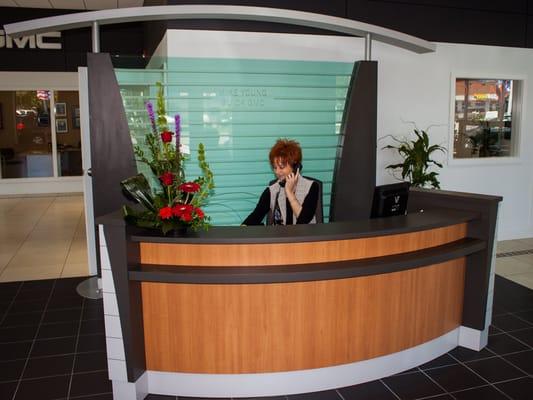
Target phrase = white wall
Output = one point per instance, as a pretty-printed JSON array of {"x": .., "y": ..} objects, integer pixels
[
  {"x": 36, "y": 81},
  {"x": 412, "y": 87}
]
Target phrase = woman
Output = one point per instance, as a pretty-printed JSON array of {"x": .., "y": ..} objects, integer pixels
[{"x": 291, "y": 198}]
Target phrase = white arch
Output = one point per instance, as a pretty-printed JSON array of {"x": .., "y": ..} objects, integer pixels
[{"x": 122, "y": 15}]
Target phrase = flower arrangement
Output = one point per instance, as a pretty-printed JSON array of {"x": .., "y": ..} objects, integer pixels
[{"x": 175, "y": 203}]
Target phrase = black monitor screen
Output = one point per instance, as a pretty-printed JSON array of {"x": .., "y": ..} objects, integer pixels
[{"x": 390, "y": 200}]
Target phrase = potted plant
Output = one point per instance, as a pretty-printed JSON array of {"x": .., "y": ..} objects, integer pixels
[{"x": 417, "y": 161}]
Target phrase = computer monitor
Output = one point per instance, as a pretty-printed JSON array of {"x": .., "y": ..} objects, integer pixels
[{"x": 390, "y": 200}]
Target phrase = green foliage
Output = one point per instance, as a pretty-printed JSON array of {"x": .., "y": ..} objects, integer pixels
[
  {"x": 174, "y": 202},
  {"x": 417, "y": 159}
]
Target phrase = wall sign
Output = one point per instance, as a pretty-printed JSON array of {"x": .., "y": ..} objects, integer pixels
[{"x": 39, "y": 41}]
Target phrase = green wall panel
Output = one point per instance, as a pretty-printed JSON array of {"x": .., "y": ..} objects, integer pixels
[{"x": 238, "y": 108}]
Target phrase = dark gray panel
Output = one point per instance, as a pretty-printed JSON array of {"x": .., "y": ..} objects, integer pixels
[
  {"x": 529, "y": 40},
  {"x": 510, "y": 6},
  {"x": 483, "y": 228},
  {"x": 354, "y": 177},
  {"x": 444, "y": 24},
  {"x": 112, "y": 157}
]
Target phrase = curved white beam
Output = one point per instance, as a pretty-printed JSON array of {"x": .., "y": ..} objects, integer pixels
[{"x": 121, "y": 15}]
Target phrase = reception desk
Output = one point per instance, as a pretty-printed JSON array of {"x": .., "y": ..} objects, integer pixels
[{"x": 255, "y": 311}]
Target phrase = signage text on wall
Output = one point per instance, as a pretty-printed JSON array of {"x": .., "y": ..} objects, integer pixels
[{"x": 39, "y": 41}]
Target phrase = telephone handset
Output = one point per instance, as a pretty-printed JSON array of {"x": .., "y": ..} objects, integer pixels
[{"x": 296, "y": 168}]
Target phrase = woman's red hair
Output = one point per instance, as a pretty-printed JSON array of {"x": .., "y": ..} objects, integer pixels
[{"x": 288, "y": 151}]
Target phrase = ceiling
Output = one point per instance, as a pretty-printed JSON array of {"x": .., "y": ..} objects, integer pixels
[{"x": 72, "y": 4}]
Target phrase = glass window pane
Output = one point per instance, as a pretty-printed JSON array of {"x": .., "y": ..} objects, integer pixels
[
  {"x": 68, "y": 135},
  {"x": 25, "y": 134},
  {"x": 483, "y": 117}
]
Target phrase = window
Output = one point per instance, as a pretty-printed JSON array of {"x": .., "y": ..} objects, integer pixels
[
  {"x": 485, "y": 117},
  {"x": 39, "y": 130}
]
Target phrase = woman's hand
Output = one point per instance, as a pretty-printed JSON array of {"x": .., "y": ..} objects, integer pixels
[
  {"x": 290, "y": 182},
  {"x": 290, "y": 188}
]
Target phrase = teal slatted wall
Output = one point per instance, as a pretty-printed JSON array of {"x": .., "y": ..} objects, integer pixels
[{"x": 238, "y": 108}]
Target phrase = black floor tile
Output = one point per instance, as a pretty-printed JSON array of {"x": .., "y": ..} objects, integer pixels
[
  {"x": 524, "y": 335},
  {"x": 493, "y": 330},
  {"x": 32, "y": 318},
  {"x": 206, "y": 398},
  {"x": 455, "y": 377},
  {"x": 52, "y": 347},
  {"x": 239, "y": 398},
  {"x": 412, "y": 386},
  {"x": 495, "y": 369},
  {"x": 91, "y": 327},
  {"x": 57, "y": 330},
  {"x": 7, "y": 390},
  {"x": 509, "y": 322},
  {"x": 65, "y": 302},
  {"x": 34, "y": 295},
  {"x": 61, "y": 316},
  {"x": 37, "y": 285},
  {"x": 11, "y": 370},
  {"x": 481, "y": 393},
  {"x": 367, "y": 391},
  {"x": 104, "y": 396},
  {"x": 520, "y": 389},
  {"x": 439, "y": 362},
  {"x": 504, "y": 344},
  {"x": 27, "y": 306},
  {"x": 527, "y": 315},
  {"x": 523, "y": 360},
  {"x": 464, "y": 354},
  {"x": 160, "y": 397},
  {"x": 90, "y": 383},
  {"x": 324, "y": 395},
  {"x": 49, "y": 366},
  {"x": 17, "y": 334},
  {"x": 13, "y": 351},
  {"x": 44, "y": 388},
  {"x": 93, "y": 313},
  {"x": 91, "y": 343},
  {"x": 88, "y": 362}
]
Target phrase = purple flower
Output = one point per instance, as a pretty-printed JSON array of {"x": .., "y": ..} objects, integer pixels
[
  {"x": 177, "y": 122},
  {"x": 151, "y": 114}
]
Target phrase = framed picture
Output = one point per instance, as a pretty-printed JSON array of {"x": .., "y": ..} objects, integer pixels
[
  {"x": 76, "y": 117},
  {"x": 61, "y": 109},
  {"x": 61, "y": 125}
]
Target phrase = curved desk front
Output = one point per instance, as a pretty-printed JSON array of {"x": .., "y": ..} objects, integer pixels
[{"x": 253, "y": 311}]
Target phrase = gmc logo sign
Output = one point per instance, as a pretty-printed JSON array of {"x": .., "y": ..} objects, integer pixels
[{"x": 38, "y": 41}]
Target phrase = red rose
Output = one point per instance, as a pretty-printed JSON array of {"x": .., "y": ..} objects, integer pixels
[
  {"x": 166, "y": 137},
  {"x": 181, "y": 209},
  {"x": 186, "y": 217},
  {"x": 199, "y": 213},
  {"x": 189, "y": 187},
  {"x": 167, "y": 178},
  {"x": 165, "y": 213}
]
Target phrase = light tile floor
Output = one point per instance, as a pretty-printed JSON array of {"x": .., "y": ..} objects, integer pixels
[
  {"x": 515, "y": 261},
  {"x": 44, "y": 238}
]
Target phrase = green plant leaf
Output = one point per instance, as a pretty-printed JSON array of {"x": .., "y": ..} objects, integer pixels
[{"x": 139, "y": 188}]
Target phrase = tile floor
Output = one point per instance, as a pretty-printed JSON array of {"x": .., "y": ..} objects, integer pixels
[
  {"x": 52, "y": 342},
  {"x": 52, "y": 347},
  {"x": 42, "y": 238}
]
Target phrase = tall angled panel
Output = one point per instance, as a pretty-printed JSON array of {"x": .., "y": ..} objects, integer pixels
[
  {"x": 354, "y": 176},
  {"x": 112, "y": 157}
]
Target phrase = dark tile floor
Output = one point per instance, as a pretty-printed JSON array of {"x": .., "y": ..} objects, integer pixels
[{"x": 52, "y": 346}]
